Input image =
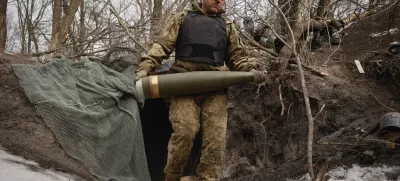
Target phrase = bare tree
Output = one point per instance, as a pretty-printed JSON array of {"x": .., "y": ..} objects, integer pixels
[
  {"x": 3, "y": 25},
  {"x": 144, "y": 19},
  {"x": 59, "y": 34},
  {"x": 28, "y": 24}
]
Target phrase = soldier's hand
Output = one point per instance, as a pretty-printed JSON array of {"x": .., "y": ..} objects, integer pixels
[
  {"x": 140, "y": 74},
  {"x": 258, "y": 77}
]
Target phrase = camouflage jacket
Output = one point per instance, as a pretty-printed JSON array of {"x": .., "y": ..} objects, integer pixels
[{"x": 237, "y": 56}]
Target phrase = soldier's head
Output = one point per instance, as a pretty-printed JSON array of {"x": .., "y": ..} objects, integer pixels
[{"x": 211, "y": 7}]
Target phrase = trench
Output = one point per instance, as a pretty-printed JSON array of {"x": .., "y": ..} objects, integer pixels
[{"x": 157, "y": 130}]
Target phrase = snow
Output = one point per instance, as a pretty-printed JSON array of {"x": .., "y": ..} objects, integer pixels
[
  {"x": 391, "y": 31},
  {"x": 14, "y": 168},
  {"x": 358, "y": 173}
]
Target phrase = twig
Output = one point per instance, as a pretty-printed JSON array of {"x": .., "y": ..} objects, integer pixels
[
  {"x": 311, "y": 70},
  {"x": 280, "y": 98},
  {"x": 374, "y": 140},
  {"x": 343, "y": 144},
  {"x": 322, "y": 171},
  {"x": 393, "y": 15},
  {"x": 333, "y": 135},
  {"x": 320, "y": 111},
  {"x": 97, "y": 37},
  {"x": 126, "y": 29},
  {"x": 259, "y": 87},
  {"x": 265, "y": 132},
  {"x": 251, "y": 178},
  {"x": 88, "y": 54},
  {"x": 8, "y": 91},
  {"x": 383, "y": 104},
  {"x": 327, "y": 59},
  {"x": 288, "y": 112},
  {"x": 38, "y": 54},
  {"x": 263, "y": 125},
  {"x": 314, "y": 71}
]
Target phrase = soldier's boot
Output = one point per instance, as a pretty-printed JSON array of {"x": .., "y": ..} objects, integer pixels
[
  {"x": 184, "y": 115},
  {"x": 214, "y": 120}
]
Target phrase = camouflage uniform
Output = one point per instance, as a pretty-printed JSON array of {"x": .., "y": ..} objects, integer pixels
[{"x": 188, "y": 112}]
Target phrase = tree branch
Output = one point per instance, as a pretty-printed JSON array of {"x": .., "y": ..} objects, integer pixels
[{"x": 126, "y": 29}]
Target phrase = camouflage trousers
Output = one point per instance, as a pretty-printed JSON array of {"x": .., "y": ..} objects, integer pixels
[{"x": 189, "y": 115}]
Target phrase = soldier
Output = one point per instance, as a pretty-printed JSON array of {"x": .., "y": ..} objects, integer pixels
[
  {"x": 203, "y": 41},
  {"x": 328, "y": 34}
]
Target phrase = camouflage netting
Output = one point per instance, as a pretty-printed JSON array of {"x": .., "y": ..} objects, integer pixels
[{"x": 93, "y": 111}]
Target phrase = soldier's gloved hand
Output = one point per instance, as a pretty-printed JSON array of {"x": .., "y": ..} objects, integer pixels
[
  {"x": 140, "y": 74},
  {"x": 258, "y": 77}
]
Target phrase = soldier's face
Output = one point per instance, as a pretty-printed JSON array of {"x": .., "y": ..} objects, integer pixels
[{"x": 212, "y": 6}]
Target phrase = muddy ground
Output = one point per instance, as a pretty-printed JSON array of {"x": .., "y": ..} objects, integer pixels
[{"x": 265, "y": 142}]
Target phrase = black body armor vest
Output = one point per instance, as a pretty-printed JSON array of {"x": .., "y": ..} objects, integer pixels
[{"x": 202, "y": 39}]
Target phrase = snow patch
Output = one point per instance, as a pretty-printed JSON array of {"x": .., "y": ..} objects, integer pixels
[
  {"x": 356, "y": 173},
  {"x": 14, "y": 168},
  {"x": 391, "y": 31}
]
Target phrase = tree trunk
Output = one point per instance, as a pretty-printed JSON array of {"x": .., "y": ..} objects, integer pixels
[
  {"x": 28, "y": 23},
  {"x": 322, "y": 8},
  {"x": 22, "y": 25},
  {"x": 32, "y": 26},
  {"x": 56, "y": 22},
  {"x": 155, "y": 16},
  {"x": 3, "y": 25},
  {"x": 35, "y": 41},
  {"x": 60, "y": 32},
  {"x": 73, "y": 39},
  {"x": 297, "y": 14},
  {"x": 67, "y": 20},
  {"x": 81, "y": 27}
]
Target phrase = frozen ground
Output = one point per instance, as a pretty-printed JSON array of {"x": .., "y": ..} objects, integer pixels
[
  {"x": 14, "y": 168},
  {"x": 357, "y": 173}
]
